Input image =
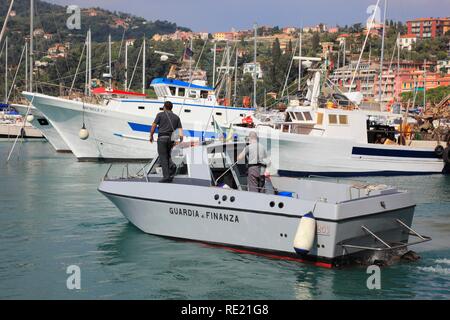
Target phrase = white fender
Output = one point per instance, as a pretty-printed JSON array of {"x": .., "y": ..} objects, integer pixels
[
  {"x": 305, "y": 235},
  {"x": 83, "y": 134}
]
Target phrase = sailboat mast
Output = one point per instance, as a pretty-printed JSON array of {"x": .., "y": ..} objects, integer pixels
[
  {"x": 126, "y": 65},
  {"x": 89, "y": 63},
  {"x": 255, "y": 26},
  {"x": 214, "y": 64},
  {"x": 6, "y": 70},
  {"x": 109, "y": 61},
  {"x": 31, "y": 43},
  {"x": 143, "y": 67},
  {"x": 235, "y": 77},
  {"x": 382, "y": 52},
  {"x": 424, "y": 84},
  {"x": 300, "y": 59},
  {"x": 26, "y": 65}
]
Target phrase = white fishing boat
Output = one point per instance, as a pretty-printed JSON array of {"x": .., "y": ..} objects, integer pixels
[
  {"x": 318, "y": 140},
  {"x": 40, "y": 122},
  {"x": 343, "y": 143},
  {"x": 329, "y": 223},
  {"x": 118, "y": 123}
]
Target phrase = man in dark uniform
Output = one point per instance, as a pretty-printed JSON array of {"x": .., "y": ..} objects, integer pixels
[{"x": 168, "y": 125}]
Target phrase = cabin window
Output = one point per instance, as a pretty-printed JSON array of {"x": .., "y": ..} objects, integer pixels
[
  {"x": 288, "y": 117},
  {"x": 332, "y": 119},
  {"x": 172, "y": 90},
  {"x": 204, "y": 94},
  {"x": 193, "y": 94},
  {"x": 218, "y": 113},
  {"x": 319, "y": 118},
  {"x": 187, "y": 110},
  {"x": 141, "y": 108},
  {"x": 181, "y": 92},
  {"x": 343, "y": 119},
  {"x": 299, "y": 116},
  {"x": 308, "y": 116}
]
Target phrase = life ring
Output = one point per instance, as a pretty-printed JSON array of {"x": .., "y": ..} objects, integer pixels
[{"x": 439, "y": 151}]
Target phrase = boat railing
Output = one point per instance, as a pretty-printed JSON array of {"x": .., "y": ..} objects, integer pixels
[
  {"x": 127, "y": 171},
  {"x": 385, "y": 244}
]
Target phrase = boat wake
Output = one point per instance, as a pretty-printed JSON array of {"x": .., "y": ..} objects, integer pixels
[{"x": 439, "y": 268}]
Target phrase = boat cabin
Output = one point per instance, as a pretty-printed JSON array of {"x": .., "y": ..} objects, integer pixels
[{"x": 179, "y": 90}]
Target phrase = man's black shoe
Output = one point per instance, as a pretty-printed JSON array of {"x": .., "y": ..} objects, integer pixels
[
  {"x": 173, "y": 170},
  {"x": 168, "y": 180}
]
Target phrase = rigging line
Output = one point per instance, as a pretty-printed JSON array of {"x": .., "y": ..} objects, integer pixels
[
  {"x": 81, "y": 72},
  {"x": 135, "y": 65},
  {"x": 76, "y": 71},
  {"x": 23, "y": 126},
  {"x": 55, "y": 85},
  {"x": 121, "y": 44},
  {"x": 3, "y": 47},
  {"x": 59, "y": 36},
  {"x": 364, "y": 45},
  {"x": 390, "y": 66},
  {"x": 15, "y": 75},
  {"x": 289, "y": 69},
  {"x": 42, "y": 27},
  {"x": 221, "y": 81},
  {"x": 191, "y": 76}
]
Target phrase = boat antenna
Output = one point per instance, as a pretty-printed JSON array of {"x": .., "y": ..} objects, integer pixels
[{"x": 255, "y": 27}]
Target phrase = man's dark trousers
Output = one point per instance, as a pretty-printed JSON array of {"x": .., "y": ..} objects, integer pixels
[{"x": 165, "y": 145}]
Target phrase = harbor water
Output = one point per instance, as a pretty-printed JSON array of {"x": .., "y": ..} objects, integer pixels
[{"x": 53, "y": 217}]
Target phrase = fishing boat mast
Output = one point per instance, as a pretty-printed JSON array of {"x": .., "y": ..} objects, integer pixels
[
  {"x": 31, "y": 43},
  {"x": 214, "y": 65},
  {"x": 143, "y": 67},
  {"x": 109, "y": 62},
  {"x": 300, "y": 61},
  {"x": 6, "y": 69},
  {"x": 255, "y": 26},
  {"x": 126, "y": 65}
]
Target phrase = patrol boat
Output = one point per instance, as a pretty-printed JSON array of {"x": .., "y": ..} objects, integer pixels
[{"x": 328, "y": 223}]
